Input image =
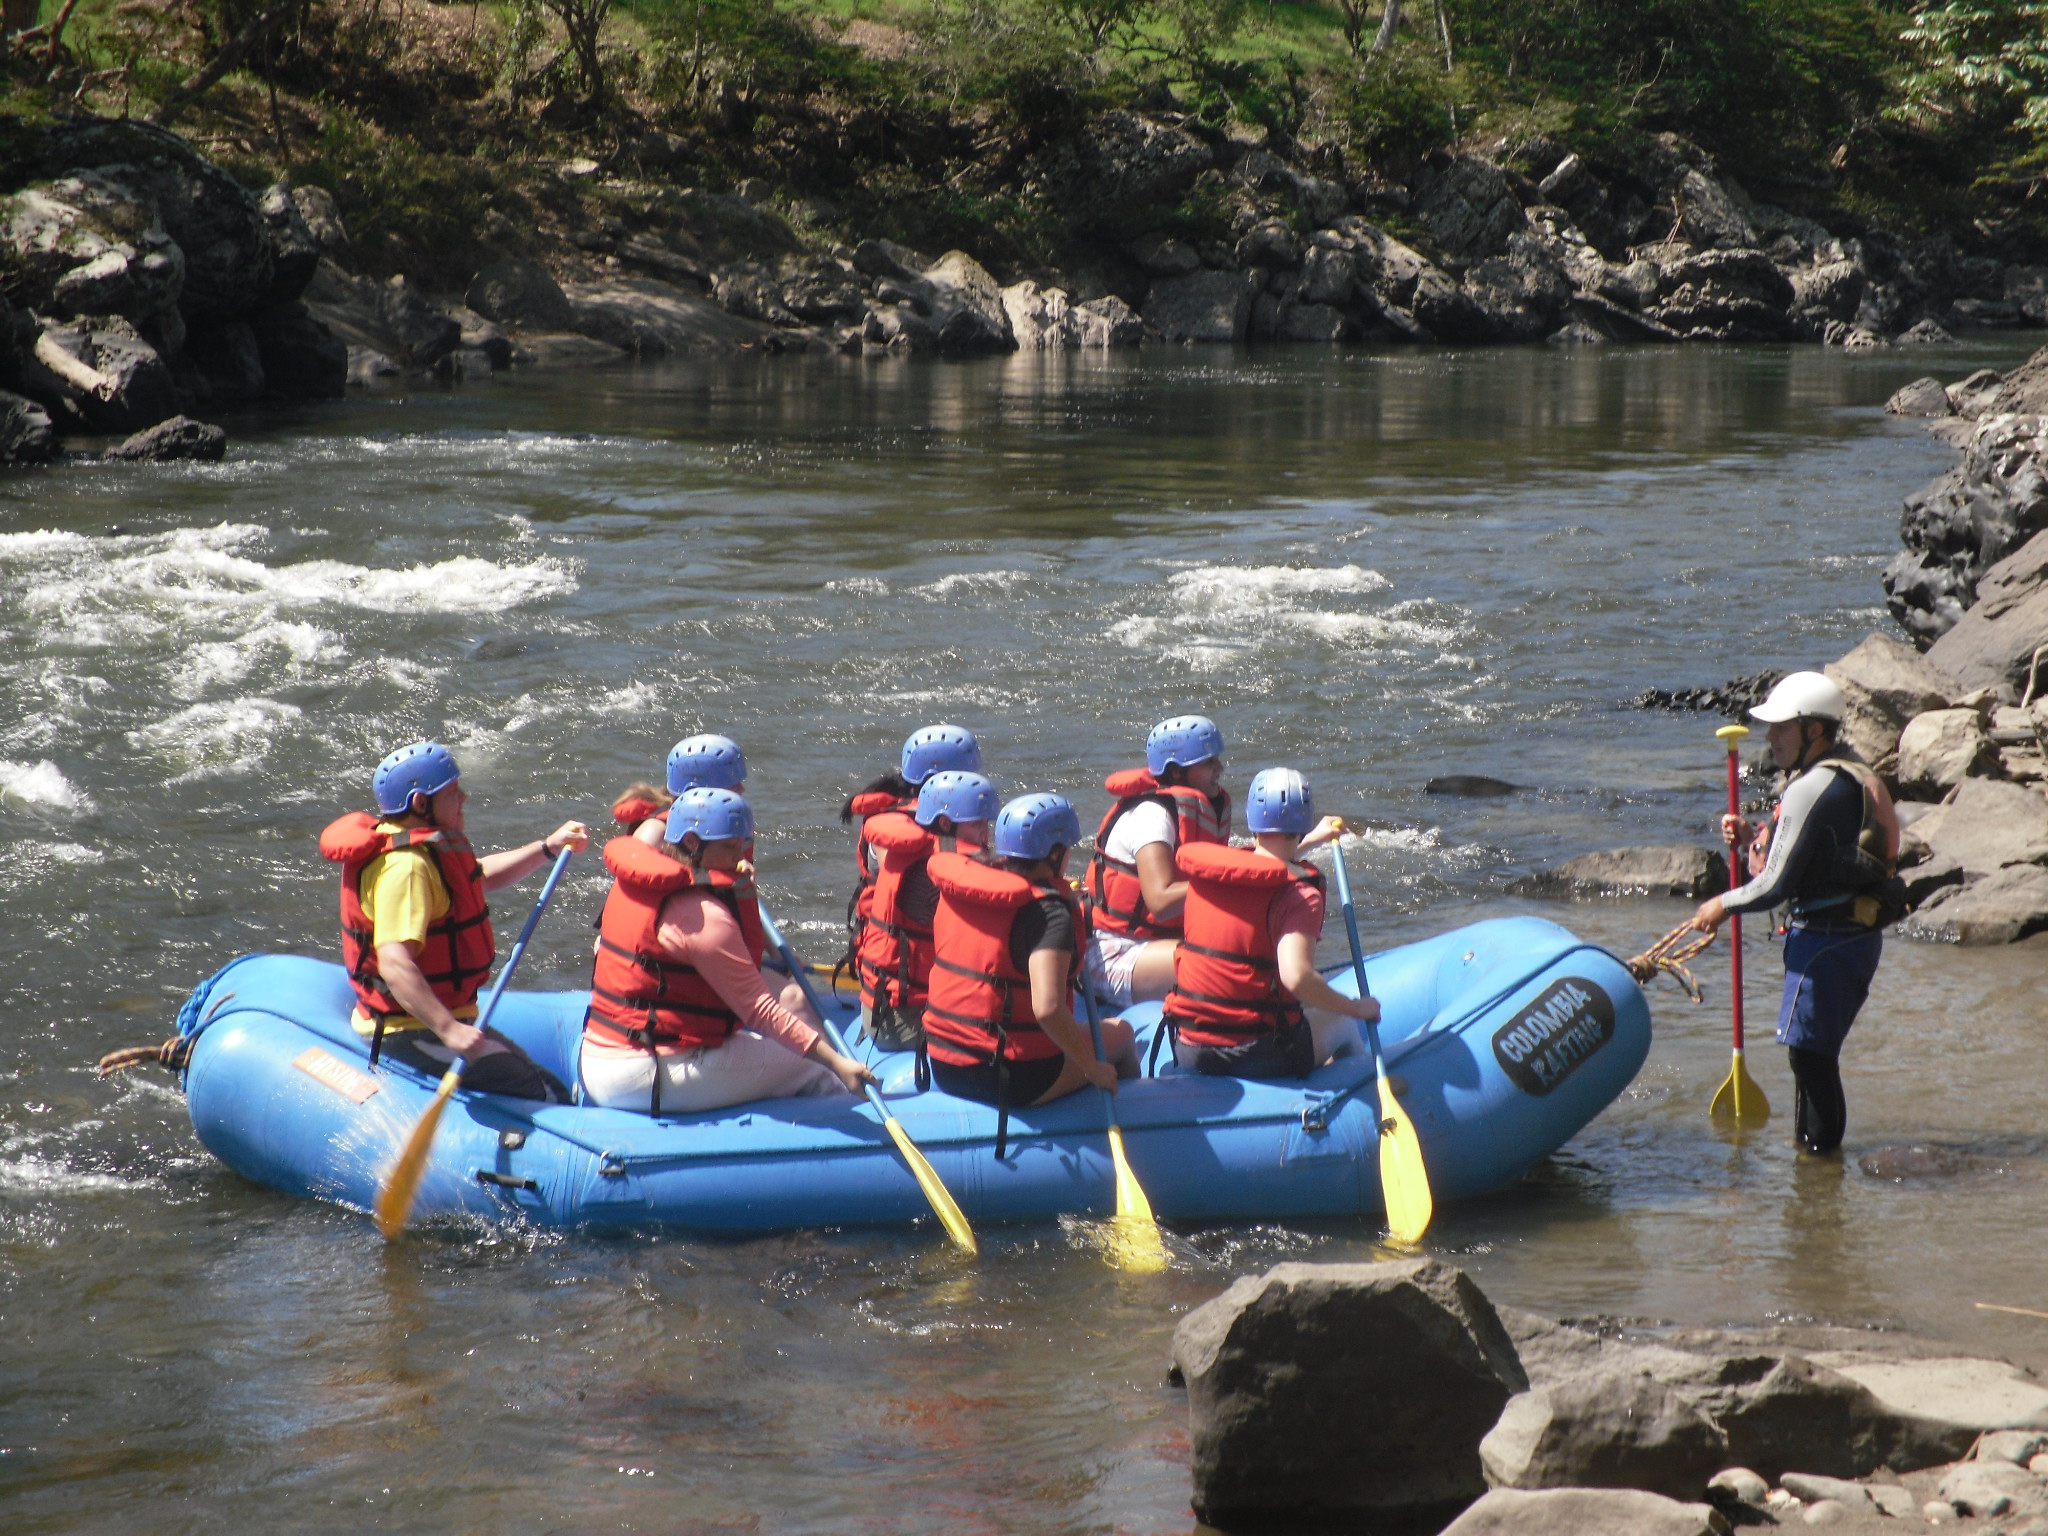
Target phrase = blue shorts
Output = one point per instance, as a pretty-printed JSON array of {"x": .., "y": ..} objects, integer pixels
[{"x": 1827, "y": 977}]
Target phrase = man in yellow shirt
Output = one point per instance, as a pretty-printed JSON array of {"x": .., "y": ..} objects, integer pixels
[{"x": 416, "y": 933}]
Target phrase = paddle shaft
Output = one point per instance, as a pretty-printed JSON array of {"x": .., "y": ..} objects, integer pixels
[
  {"x": 1372, "y": 1029},
  {"x": 1094, "y": 1011},
  {"x": 832, "y": 1035},
  {"x": 547, "y": 894},
  {"x": 1735, "y": 919}
]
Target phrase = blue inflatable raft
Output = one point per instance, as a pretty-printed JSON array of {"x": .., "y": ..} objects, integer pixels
[{"x": 1504, "y": 1039}]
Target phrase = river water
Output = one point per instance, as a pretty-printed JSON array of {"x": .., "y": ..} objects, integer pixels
[{"x": 1376, "y": 567}]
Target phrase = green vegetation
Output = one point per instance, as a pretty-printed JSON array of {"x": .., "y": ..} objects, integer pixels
[{"x": 437, "y": 126}]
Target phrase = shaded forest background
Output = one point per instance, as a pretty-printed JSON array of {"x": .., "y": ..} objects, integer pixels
[{"x": 447, "y": 131}]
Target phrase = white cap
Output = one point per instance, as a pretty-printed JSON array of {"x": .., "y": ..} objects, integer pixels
[{"x": 1802, "y": 696}]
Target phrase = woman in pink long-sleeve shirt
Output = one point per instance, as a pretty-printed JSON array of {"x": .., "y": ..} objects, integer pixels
[{"x": 774, "y": 1049}]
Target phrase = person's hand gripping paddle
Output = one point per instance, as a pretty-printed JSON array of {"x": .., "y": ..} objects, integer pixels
[
  {"x": 402, "y": 1187},
  {"x": 1135, "y": 1243},
  {"x": 1740, "y": 1103},
  {"x": 1404, "y": 1181},
  {"x": 944, "y": 1206}
]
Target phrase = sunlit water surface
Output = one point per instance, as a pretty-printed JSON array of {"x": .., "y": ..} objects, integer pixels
[{"x": 1376, "y": 567}]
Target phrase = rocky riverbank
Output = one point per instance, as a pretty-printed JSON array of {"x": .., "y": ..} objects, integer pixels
[
  {"x": 145, "y": 281},
  {"x": 1396, "y": 1398}
]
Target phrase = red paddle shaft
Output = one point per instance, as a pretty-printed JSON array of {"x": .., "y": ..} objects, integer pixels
[{"x": 1735, "y": 920}]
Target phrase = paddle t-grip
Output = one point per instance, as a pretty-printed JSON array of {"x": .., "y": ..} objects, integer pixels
[{"x": 1731, "y": 738}]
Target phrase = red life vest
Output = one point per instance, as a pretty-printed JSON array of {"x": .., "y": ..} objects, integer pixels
[
  {"x": 638, "y": 994},
  {"x": 1226, "y": 977},
  {"x": 459, "y": 947},
  {"x": 895, "y": 953},
  {"x": 866, "y": 806},
  {"x": 979, "y": 1007},
  {"x": 629, "y": 812},
  {"x": 1115, "y": 895}
]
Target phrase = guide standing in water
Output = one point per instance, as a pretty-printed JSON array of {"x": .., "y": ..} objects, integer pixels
[{"x": 1830, "y": 855}]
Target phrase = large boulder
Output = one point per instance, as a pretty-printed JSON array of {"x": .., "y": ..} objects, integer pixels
[
  {"x": 88, "y": 244},
  {"x": 1885, "y": 683},
  {"x": 1202, "y": 306},
  {"x": 520, "y": 293},
  {"x": 648, "y": 318},
  {"x": 1967, "y": 521},
  {"x": 1725, "y": 296},
  {"x": 179, "y": 438},
  {"x": 423, "y": 332},
  {"x": 1988, "y": 825},
  {"x": 322, "y": 218},
  {"x": 1585, "y": 1512},
  {"x": 1683, "y": 871},
  {"x": 2024, "y": 391},
  {"x": 1105, "y": 322},
  {"x": 1605, "y": 1429},
  {"x": 1941, "y": 748},
  {"x": 26, "y": 434},
  {"x": 1124, "y": 163},
  {"x": 1954, "y": 1398},
  {"x": 1343, "y": 1393},
  {"x": 1708, "y": 216},
  {"x": 1523, "y": 292},
  {"x": 295, "y": 249},
  {"x": 1467, "y": 206},
  {"x": 2002, "y": 908},
  {"x": 1039, "y": 317},
  {"x": 302, "y": 359},
  {"x": 968, "y": 316},
  {"x": 1924, "y": 398},
  {"x": 106, "y": 373},
  {"x": 1994, "y": 644}
]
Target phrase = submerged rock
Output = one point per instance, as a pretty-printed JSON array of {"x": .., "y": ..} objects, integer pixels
[{"x": 179, "y": 438}]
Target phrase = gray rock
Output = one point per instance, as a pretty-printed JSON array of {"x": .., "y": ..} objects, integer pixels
[
  {"x": 1826, "y": 291},
  {"x": 1923, "y": 333},
  {"x": 367, "y": 367},
  {"x": 1040, "y": 318},
  {"x": 1313, "y": 322},
  {"x": 746, "y": 289},
  {"x": 1585, "y": 1512},
  {"x": 1271, "y": 244},
  {"x": 640, "y": 251},
  {"x": 1922, "y": 397},
  {"x": 885, "y": 258},
  {"x": 1467, "y": 207},
  {"x": 1327, "y": 276},
  {"x": 1956, "y": 1398},
  {"x": 423, "y": 332},
  {"x": 1278, "y": 1363},
  {"x": 103, "y": 369},
  {"x": 1974, "y": 394},
  {"x": 1941, "y": 748},
  {"x": 1106, "y": 322},
  {"x": 2018, "y": 1446},
  {"x": 1124, "y": 161},
  {"x": 1613, "y": 1429},
  {"x": 968, "y": 314},
  {"x": 323, "y": 220},
  {"x": 229, "y": 361},
  {"x": 26, "y": 435},
  {"x": 522, "y": 294},
  {"x": 1737, "y": 295},
  {"x": 648, "y": 318},
  {"x": 1203, "y": 306},
  {"x": 1162, "y": 256},
  {"x": 1708, "y": 216},
  {"x": 179, "y": 438},
  {"x": 295, "y": 251},
  {"x": 1523, "y": 293},
  {"x": 1989, "y": 825},
  {"x": 1891, "y": 1500},
  {"x": 1812, "y": 1487},
  {"x": 821, "y": 291},
  {"x": 1577, "y": 332},
  {"x": 1993, "y": 645},
  {"x": 1825, "y": 1512},
  {"x": 563, "y": 349},
  {"x": 1968, "y": 520},
  {"x": 302, "y": 359},
  {"x": 88, "y": 244},
  {"x": 1931, "y": 874},
  {"x": 1682, "y": 871},
  {"x": 899, "y": 329},
  {"x": 2024, "y": 391},
  {"x": 1885, "y": 684},
  {"x": 1988, "y": 1489},
  {"x": 2001, "y": 908},
  {"x": 1739, "y": 1484}
]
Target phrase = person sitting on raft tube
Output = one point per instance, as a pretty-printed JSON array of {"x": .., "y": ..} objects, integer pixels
[
  {"x": 680, "y": 1018},
  {"x": 1832, "y": 854},
  {"x": 1133, "y": 890},
  {"x": 1247, "y": 1000},
  {"x": 895, "y": 960},
  {"x": 1006, "y": 942},
  {"x": 415, "y": 929},
  {"x": 695, "y": 762},
  {"x": 926, "y": 751}
]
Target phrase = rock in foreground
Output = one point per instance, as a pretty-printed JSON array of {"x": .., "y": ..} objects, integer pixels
[
  {"x": 179, "y": 438},
  {"x": 1585, "y": 1512},
  {"x": 1683, "y": 871}
]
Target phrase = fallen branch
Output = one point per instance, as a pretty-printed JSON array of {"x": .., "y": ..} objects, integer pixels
[
  {"x": 236, "y": 49},
  {"x": 56, "y": 39}
]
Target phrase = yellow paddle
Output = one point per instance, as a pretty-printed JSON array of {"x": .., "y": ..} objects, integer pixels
[
  {"x": 402, "y": 1185},
  {"x": 1739, "y": 1103},
  {"x": 1135, "y": 1243},
  {"x": 951, "y": 1217},
  {"x": 1404, "y": 1181}
]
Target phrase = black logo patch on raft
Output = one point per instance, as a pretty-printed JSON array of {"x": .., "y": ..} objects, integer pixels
[{"x": 1544, "y": 1043}]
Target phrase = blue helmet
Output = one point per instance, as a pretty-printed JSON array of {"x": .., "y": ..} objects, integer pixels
[
  {"x": 1280, "y": 801},
  {"x": 424, "y": 768},
  {"x": 962, "y": 796},
  {"x": 713, "y": 814},
  {"x": 705, "y": 762},
  {"x": 937, "y": 748},
  {"x": 1184, "y": 739},
  {"x": 1031, "y": 826}
]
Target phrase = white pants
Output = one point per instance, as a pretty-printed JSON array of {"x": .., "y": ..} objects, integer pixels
[
  {"x": 1108, "y": 966},
  {"x": 748, "y": 1066}
]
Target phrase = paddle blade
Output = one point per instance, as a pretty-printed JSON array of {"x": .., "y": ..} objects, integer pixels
[
  {"x": 949, "y": 1213},
  {"x": 1740, "y": 1102},
  {"x": 402, "y": 1187},
  {"x": 1135, "y": 1243},
  {"x": 1404, "y": 1181}
]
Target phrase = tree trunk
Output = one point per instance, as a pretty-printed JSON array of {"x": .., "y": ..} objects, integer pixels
[{"x": 1388, "y": 22}]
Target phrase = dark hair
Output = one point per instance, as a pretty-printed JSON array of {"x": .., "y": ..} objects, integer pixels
[
  {"x": 890, "y": 783},
  {"x": 1172, "y": 773}
]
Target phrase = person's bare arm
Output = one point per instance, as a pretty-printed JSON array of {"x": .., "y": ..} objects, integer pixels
[
  {"x": 1052, "y": 1006},
  {"x": 1296, "y": 955},
  {"x": 515, "y": 864},
  {"x": 1165, "y": 892},
  {"x": 400, "y": 969}
]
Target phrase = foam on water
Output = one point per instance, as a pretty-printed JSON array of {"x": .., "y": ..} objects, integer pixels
[
  {"x": 222, "y": 663},
  {"x": 859, "y": 586},
  {"x": 41, "y": 784},
  {"x": 219, "y": 739},
  {"x": 38, "y": 1176},
  {"x": 966, "y": 582}
]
